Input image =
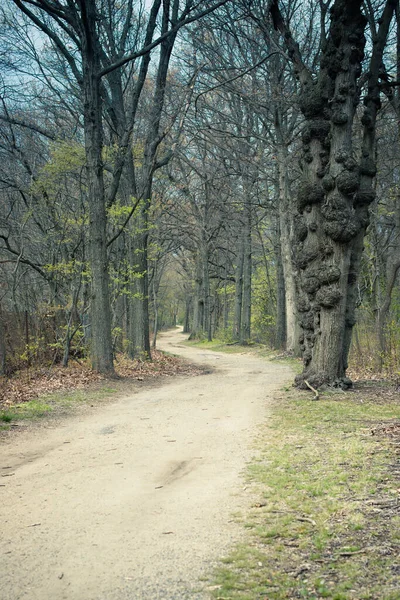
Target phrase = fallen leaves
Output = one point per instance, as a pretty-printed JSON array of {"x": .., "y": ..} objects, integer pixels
[
  {"x": 27, "y": 385},
  {"x": 387, "y": 429}
]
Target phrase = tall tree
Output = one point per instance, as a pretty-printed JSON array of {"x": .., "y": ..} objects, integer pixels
[
  {"x": 336, "y": 186},
  {"x": 76, "y": 30}
]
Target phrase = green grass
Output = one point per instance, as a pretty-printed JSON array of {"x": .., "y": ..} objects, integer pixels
[
  {"x": 259, "y": 349},
  {"x": 217, "y": 345},
  {"x": 316, "y": 532},
  {"x": 56, "y": 402}
]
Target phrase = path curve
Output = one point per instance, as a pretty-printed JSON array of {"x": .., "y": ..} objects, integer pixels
[{"x": 134, "y": 501}]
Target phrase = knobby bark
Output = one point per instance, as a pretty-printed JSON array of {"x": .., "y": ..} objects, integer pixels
[{"x": 336, "y": 188}]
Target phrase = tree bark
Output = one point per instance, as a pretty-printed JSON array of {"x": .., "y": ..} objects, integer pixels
[
  {"x": 245, "y": 329},
  {"x": 3, "y": 352},
  {"x": 392, "y": 270},
  {"x": 139, "y": 330},
  {"x": 186, "y": 321},
  {"x": 335, "y": 191},
  {"x": 280, "y": 328},
  {"x": 198, "y": 303},
  {"x": 237, "y": 319},
  {"x": 286, "y": 230},
  {"x": 101, "y": 344}
]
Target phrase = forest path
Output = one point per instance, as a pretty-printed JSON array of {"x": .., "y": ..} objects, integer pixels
[{"x": 135, "y": 500}]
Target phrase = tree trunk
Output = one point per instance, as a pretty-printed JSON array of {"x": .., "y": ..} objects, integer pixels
[
  {"x": 198, "y": 303},
  {"x": 286, "y": 230},
  {"x": 237, "y": 319},
  {"x": 206, "y": 325},
  {"x": 155, "y": 305},
  {"x": 280, "y": 335},
  {"x": 245, "y": 330},
  {"x": 101, "y": 344},
  {"x": 186, "y": 321},
  {"x": 326, "y": 223},
  {"x": 139, "y": 331},
  {"x": 392, "y": 269},
  {"x": 335, "y": 190},
  {"x": 2, "y": 346}
]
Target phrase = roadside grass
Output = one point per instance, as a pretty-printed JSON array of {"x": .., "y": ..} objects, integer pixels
[
  {"x": 325, "y": 522},
  {"x": 260, "y": 350},
  {"x": 218, "y": 346},
  {"x": 56, "y": 402}
]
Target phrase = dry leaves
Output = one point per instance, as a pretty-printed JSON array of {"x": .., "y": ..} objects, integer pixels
[{"x": 29, "y": 384}]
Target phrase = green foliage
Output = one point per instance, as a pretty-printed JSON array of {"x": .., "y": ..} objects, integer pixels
[
  {"x": 263, "y": 307},
  {"x": 33, "y": 350},
  {"x": 228, "y": 289},
  {"x": 68, "y": 268},
  {"x": 224, "y": 335},
  {"x": 118, "y": 212},
  {"x": 365, "y": 355},
  {"x": 6, "y": 416},
  {"x": 66, "y": 158}
]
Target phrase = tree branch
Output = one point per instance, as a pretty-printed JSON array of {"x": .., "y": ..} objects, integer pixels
[
  {"x": 51, "y": 34},
  {"x": 146, "y": 49}
]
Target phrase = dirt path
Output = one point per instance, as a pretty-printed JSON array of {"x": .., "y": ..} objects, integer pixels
[{"x": 134, "y": 501}]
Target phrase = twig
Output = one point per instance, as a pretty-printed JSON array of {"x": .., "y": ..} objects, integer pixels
[
  {"x": 316, "y": 397},
  {"x": 306, "y": 520},
  {"x": 300, "y": 570},
  {"x": 349, "y": 553}
]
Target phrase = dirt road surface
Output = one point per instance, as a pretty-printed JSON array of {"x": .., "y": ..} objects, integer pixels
[{"x": 135, "y": 499}]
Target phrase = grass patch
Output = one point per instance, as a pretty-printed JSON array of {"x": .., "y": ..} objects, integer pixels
[
  {"x": 27, "y": 410},
  {"x": 56, "y": 402},
  {"x": 218, "y": 346},
  {"x": 327, "y": 521},
  {"x": 253, "y": 348},
  {"x": 71, "y": 399}
]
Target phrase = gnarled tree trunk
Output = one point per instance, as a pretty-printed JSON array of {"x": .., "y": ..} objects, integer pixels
[{"x": 336, "y": 189}]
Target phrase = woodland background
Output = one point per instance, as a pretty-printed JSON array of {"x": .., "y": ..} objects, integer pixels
[{"x": 151, "y": 158}]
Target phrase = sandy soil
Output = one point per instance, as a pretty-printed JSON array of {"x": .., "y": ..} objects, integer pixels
[{"x": 134, "y": 500}]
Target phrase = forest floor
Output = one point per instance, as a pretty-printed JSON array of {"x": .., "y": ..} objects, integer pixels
[{"x": 224, "y": 482}]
